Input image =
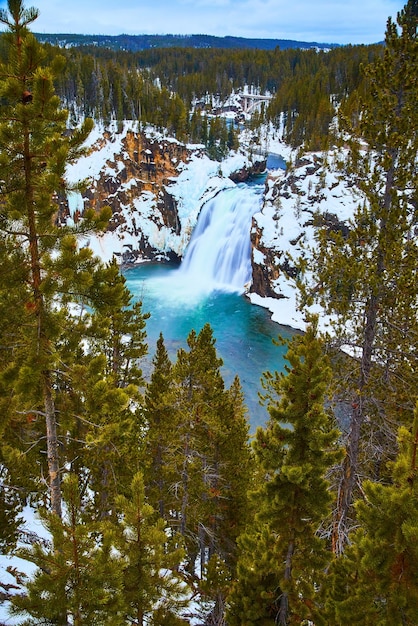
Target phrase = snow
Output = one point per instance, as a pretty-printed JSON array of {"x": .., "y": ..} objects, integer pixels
[
  {"x": 90, "y": 166},
  {"x": 31, "y": 529},
  {"x": 75, "y": 202},
  {"x": 312, "y": 184},
  {"x": 286, "y": 223},
  {"x": 198, "y": 181}
]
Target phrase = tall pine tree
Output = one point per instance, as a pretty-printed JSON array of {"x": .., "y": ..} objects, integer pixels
[
  {"x": 283, "y": 558},
  {"x": 34, "y": 152},
  {"x": 160, "y": 440},
  {"x": 366, "y": 279},
  {"x": 78, "y": 575},
  {"x": 376, "y": 580},
  {"x": 153, "y": 590}
]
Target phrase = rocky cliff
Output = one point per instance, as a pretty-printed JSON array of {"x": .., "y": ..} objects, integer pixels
[
  {"x": 155, "y": 187},
  {"x": 313, "y": 191}
]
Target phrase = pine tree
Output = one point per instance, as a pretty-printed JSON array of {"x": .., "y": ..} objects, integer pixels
[
  {"x": 366, "y": 279},
  {"x": 213, "y": 459},
  {"x": 106, "y": 410},
  {"x": 15, "y": 481},
  {"x": 78, "y": 575},
  {"x": 160, "y": 438},
  {"x": 34, "y": 152},
  {"x": 295, "y": 451},
  {"x": 229, "y": 460},
  {"x": 376, "y": 580},
  {"x": 197, "y": 457},
  {"x": 153, "y": 591},
  {"x": 199, "y": 388}
]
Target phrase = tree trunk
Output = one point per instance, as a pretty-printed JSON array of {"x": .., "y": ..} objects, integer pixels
[
  {"x": 350, "y": 464},
  {"x": 283, "y": 613},
  {"x": 43, "y": 344},
  {"x": 52, "y": 448}
]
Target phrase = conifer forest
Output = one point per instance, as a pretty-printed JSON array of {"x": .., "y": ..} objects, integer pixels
[{"x": 156, "y": 506}]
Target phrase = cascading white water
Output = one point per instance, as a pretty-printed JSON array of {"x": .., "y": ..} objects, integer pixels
[
  {"x": 218, "y": 257},
  {"x": 216, "y": 266}
]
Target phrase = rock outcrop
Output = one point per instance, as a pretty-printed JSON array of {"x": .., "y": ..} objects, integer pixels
[
  {"x": 312, "y": 193},
  {"x": 141, "y": 167},
  {"x": 155, "y": 187},
  {"x": 244, "y": 173}
]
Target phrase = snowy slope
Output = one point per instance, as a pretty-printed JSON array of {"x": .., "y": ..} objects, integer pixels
[
  {"x": 140, "y": 218},
  {"x": 282, "y": 229},
  {"x": 285, "y": 226}
]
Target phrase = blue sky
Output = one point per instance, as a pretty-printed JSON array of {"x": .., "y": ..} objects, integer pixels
[{"x": 330, "y": 21}]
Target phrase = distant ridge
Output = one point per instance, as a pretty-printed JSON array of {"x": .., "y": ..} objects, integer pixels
[{"x": 135, "y": 43}]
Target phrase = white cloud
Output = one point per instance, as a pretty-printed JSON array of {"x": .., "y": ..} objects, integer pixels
[{"x": 339, "y": 21}]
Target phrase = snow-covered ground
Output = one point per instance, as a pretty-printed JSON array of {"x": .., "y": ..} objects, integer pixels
[
  {"x": 284, "y": 221},
  {"x": 31, "y": 528},
  {"x": 313, "y": 184},
  {"x": 198, "y": 180}
]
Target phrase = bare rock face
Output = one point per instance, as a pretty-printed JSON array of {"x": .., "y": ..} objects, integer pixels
[
  {"x": 269, "y": 261},
  {"x": 266, "y": 270},
  {"x": 135, "y": 182},
  {"x": 140, "y": 167},
  {"x": 143, "y": 166},
  {"x": 243, "y": 174},
  {"x": 312, "y": 193}
]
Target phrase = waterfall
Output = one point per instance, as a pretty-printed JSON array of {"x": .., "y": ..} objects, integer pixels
[{"x": 218, "y": 257}]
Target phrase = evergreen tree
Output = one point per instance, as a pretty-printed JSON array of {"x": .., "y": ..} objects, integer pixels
[
  {"x": 106, "y": 381},
  {"x": 376, "y": 580},
  {"x": 78, "y": 575},
  {"x": 34, "y": 152},
  {"x": 283, "y": 558},
  {"x": 367, "y": 279},
  {"x": 210, "y": 423},
  {"x": 15, "y": 472},
  {"x": 160, "y": 437},
  {"x": 197, "y": 457},
  {"x": 198, "y": 389},
  {"x": 232, "y": 474},
  {"x": 153, "y": 591}
]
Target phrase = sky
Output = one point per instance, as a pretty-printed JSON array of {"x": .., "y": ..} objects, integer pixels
[{"x": 323, "y": 21}]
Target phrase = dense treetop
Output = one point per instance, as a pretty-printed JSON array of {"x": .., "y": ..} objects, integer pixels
[
  {"x": 162, "y": 85},
  {"x": 158, "y": 509}
]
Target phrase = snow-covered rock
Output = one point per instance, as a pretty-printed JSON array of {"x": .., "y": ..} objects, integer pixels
[
  {"x": 155, "y": 186},
  {"x": 284, "y": 229}
]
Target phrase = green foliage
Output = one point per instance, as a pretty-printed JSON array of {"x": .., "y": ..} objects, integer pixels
[
  {"x": 101, "y": 401},
  {"x": 209, "y": 426},
  {"x": 376, "y": 581},
  {"x": 281, "y": 552},
  {"x": 367, "y": 279},
  {"x": 153, "y": 591},
  {"x": 160, "y": 445},
  {"x": 197, "y": 460},
  {"x": 78, "y": 577},
  {"x": 10, "y": 509},
  {"x": 35, "y": 150},
  {"x": 254, "y": 596},
  {"x": 307, "y": 85}
]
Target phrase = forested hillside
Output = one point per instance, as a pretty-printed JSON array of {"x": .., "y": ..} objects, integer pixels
[
  {"x": 133, "y": 500},
  {"x": 144, "y": 42},
  {"x": 160, "y": 85}
]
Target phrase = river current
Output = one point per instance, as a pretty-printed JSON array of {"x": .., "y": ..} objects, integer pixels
[{"x": 208, "y": 287}]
